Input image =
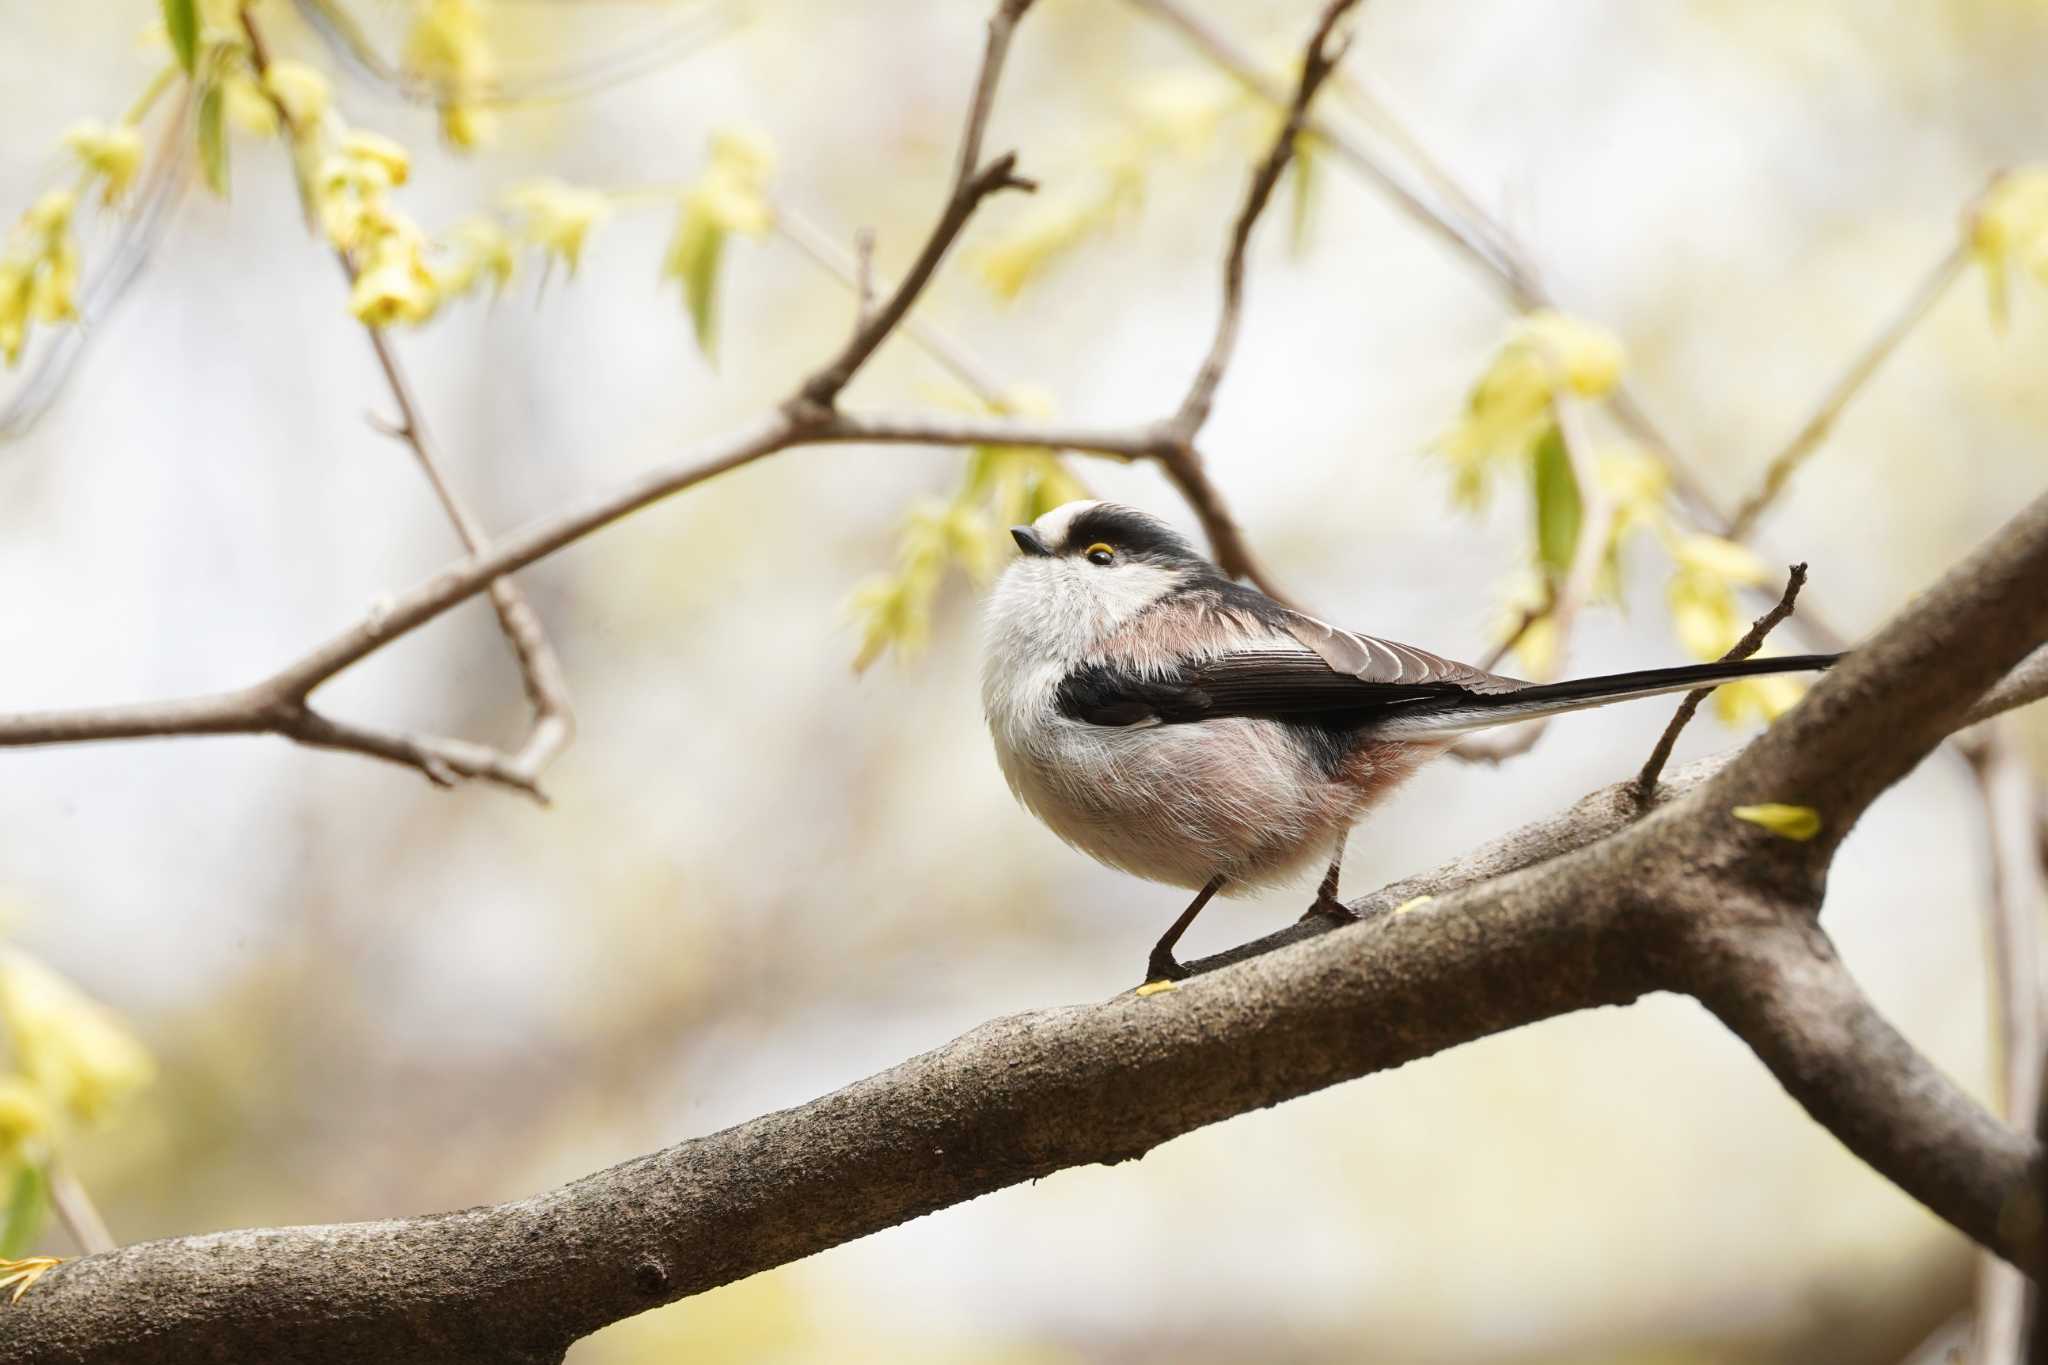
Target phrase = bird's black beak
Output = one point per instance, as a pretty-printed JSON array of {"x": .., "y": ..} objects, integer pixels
[{"x": 1030, "y": 542}]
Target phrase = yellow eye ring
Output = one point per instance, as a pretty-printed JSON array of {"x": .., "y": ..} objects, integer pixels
[{"x": 1099, "y": 553}]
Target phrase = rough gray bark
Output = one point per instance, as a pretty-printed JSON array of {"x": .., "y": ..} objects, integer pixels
[{"x": 1595, "y": 907}]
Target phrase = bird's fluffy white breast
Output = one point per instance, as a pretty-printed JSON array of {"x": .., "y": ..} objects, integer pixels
[{"x": 1173, "y": 803}]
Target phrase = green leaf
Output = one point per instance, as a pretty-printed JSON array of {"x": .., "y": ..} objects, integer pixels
[
  {"x": 1306, "y": 176},
  {"x": 1558, "y": 506},
  {"x": 1798, "y": 823},
  {"x": 27, "y": 1203},
  {"x": 700, "y": 287},
  {"x": 181, "y": 22},
  {"x": 213, "y": 139}
]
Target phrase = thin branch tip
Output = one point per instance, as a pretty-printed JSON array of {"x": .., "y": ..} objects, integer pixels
[{"x": 1645, "y": 786}]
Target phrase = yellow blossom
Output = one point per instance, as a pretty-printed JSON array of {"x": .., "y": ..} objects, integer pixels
[
  {"x": 559, "y": 217},
  {"x": 466, "y": 126},
  {"x": 38, "y": 271},
  {"x": 482, "y": 250},
  {"x": 249, "y": 106},
  {"x": 396, "y": 287},
  {"x": 374, "y": 156},
  {"x": 1180, "y": 110},
  {"x": 1638, "y": 483},
  {"x": 1703, "y": 611},
  {"x": 1719, "y": 558},
  {"x": 1046, "y": 230},
  {"x": 301, "y": 90},
  {"x": 1758, "y": 699},
  {"x": 110, "y": 154},
  {"x": 53, "y": 295},
  {"x": 14, "y": 309},
  {"x": 2009, "y": 227},
  {"x": 76, "y": 1053},
  {"x": 1508, "y": 412},
  {"x": 1587, "y": 357},
  {"x": 448, "y": 47},
  {"x": 730, "y": 197},
  {"x": 25, "y": 1118}
]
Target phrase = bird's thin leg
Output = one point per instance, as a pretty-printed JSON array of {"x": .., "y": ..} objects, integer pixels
[
  {"x": 1327, "y": 901},
  {"x": 1161, "y": 966}
]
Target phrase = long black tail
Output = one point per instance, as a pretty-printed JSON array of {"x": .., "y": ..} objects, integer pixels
[{"x": 1452, "y": 716}]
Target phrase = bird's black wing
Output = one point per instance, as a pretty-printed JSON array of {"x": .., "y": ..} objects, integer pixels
[{"x": 1278, "y": 683}]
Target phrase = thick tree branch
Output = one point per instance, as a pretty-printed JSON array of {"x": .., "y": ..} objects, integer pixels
[{"x": 1593, "y": 908}]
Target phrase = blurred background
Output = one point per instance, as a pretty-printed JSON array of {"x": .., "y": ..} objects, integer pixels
[{"x": 764, "y": 875}]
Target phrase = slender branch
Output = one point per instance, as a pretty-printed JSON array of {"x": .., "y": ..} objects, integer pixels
[
  {"x": 1750, "y": 643},
  {"x": 1927, "y": 292},
  {"x": 1240, "y": 64},
  {"x": 822, "y": 248},
  {"x": 2025, "y": 684},
  {"x": 2016, "y": 908},
  {"x": 1321, "y": 58},
  {"x": 547, "y": 688},
  {"x": 863, "y": 274},
  {"x": 972, "y": 183},
  {"x": 1481, "y": 240},
  {"x": 76, "y": 1209}
]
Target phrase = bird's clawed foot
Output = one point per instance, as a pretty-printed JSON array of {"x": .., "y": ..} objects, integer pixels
[
  {"x": 1329, "y": 907},
  {"x": 1164, "y": 966}
]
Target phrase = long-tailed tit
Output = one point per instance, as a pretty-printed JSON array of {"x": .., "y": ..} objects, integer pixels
[{"x": 1193, "y": 731}]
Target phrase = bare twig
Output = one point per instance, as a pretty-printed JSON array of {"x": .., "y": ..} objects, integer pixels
[
  {"x": 1174, "y": 446},
  {"x": 823, "y": 249},
  {"x": 1750, "y": 643},
  {"x": 75, "y": 1207},
  {"x": 972, "y": 183},
  {"x": 1926, "y": 293},
  {"x": 863, "y": 275},
  {"x": 1480, "y": 239},
  {"x": 2018, "y": 904},
  {"x": 547, "y": 689},
  {"x": 1240, "y": 64},
  {"x": 1321, "y": 58}
]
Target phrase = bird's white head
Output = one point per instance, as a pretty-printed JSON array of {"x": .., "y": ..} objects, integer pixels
[{"x": 1083, "y": 570}]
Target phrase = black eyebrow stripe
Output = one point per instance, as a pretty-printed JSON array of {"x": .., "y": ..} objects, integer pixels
[{"x": 1125, "y": 530}]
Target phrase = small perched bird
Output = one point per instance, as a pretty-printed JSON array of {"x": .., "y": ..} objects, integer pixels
[{"x": 1190, "y": 730}]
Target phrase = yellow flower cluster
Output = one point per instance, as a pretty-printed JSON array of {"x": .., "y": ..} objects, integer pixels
[
  {"x": 558, "y": 218},
  {"x": 110, "y": 155},
  {"x": 1709, "y": 621},
  {"x": 731, "y": 196},
  {"x": 447, "y": 46},
  {"x": 2009, "y": 228},
  {"x": 348, "y": 175},
  {"x": 70, "y": 1050},
  {"x": 1510, "y": 419},
  {"x": 1004, "y": 486},
  {"x": 1508, "y": 413},
  {"x": 38, "y": 271}
]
